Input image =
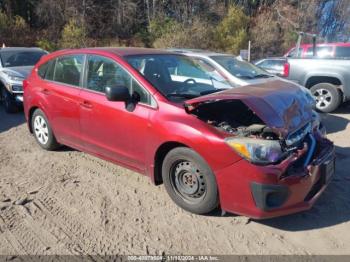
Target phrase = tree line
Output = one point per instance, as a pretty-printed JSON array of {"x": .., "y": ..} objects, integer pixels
[{"x": 272, "y": 26}]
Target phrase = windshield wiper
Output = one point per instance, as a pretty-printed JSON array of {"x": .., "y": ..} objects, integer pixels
[
  {"x": 255, "y": 76},
  {"x": 262, "y": 76},
  {"x": 207, "y": 92},
  {"x": 246, "y": 77},
  {"x": 182, "y": 95}
]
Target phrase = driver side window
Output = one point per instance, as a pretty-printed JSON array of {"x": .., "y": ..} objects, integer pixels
[{"x": 103, "y": 72}]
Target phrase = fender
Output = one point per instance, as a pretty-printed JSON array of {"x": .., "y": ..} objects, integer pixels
[
  {"x": 322, "y": 74},
  {"x": 199, "y": 139}
]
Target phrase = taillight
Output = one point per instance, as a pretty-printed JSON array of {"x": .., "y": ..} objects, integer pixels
[
  {"x": 25, "y": 84},
  {"x": 286, "y": 67}
]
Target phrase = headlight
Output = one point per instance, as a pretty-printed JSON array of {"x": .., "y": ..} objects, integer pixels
[
  {"x": 13, "y": 77},
  {"x": 257, "y": 151}
]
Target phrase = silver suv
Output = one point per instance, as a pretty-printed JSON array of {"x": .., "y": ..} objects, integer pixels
[{"x": 15, "y": 65}]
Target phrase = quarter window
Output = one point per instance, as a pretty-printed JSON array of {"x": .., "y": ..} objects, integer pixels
[
  {"x": 42, "y": 69},
  {"x": 46, "y": 70},
  {"x": 103, "y": 72},
  {"x": 68, "y": 69},
  {"x": 50, "y": 70}
]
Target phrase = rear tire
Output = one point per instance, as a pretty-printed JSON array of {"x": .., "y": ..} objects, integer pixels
[
  {"x": 42, "y": 131},
  {"x": 189, "y": 181},
  {"x": 328, "y": 97},
  {"x": 9, "y": 101}
]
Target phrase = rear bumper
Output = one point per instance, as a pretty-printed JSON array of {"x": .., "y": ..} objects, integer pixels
[{"x": 276, "y": 190}]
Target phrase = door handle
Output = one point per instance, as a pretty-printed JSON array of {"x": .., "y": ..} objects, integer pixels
[{"x": 86, "y": 104}]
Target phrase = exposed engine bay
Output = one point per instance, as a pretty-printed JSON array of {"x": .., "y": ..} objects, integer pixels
[
  {"x": 249, "y": 136},
  {"x": 235, "y": 118}
]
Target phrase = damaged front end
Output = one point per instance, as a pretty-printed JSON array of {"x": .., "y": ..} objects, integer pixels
[
  {"x": 265, "y": 128},
  {"x": 289, "y": 159}
]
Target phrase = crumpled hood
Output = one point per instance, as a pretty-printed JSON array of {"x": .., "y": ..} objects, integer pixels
[
  {"x": 283, "y": 106},
  {"x": 22, "y": 71}
]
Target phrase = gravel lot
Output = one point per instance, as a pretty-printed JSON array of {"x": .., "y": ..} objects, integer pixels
[{"x": 68, "y": 202}]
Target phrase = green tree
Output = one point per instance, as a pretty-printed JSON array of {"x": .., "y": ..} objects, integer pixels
[
  {"x": 198, "y": 34},
  {"x": 73, "y": 35},
  {"x": 231, "y": 33}
]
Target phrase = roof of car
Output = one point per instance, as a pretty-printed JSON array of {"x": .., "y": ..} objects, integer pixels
[
  {"x": 196, "y": 51},
  {"x": 304, "y": 46},
  {"x": 274, "y": 58},
  {"x": 20, "y": 49},
  {"x": 125, "y": 51}
]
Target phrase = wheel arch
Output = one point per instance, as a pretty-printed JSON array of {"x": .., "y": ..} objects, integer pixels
[
  {"x": 2, "y": 85},
  {"x": 30, "y": 115},
  {"x": 159, "y": 156},
  {"x": 314, "y": 80}
]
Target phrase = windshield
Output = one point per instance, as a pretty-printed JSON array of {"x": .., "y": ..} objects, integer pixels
[
  {"x": 178, "y": 76},
  {"x": 240, "y": 69},
  {"x": 20, "y": 58}
]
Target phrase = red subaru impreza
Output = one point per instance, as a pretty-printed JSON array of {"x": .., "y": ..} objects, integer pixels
[{"x": 258, "y": 151}]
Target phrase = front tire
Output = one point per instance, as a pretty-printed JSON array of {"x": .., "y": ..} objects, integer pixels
[
  {"x": 189, "y": 181},
  {"x": 328, "y": 97},
  {"x": 42, "y": 131},
  {"x": 9, "y": 101}
]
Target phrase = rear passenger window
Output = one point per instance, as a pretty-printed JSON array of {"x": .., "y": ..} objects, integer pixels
[
  {"x": 68, "y": 69},
  {"x": 342, "y": 51}
]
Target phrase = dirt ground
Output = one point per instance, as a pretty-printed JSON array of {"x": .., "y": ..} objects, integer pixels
[{"x": 68, "y": 202}]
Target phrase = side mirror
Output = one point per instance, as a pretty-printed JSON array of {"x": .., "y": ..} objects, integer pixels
[{"x": 117, "y": 93}]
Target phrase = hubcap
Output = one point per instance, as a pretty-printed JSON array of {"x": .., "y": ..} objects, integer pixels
[
  {"x": 323, "y": 98},
  {"x": 41, "y": 130},
  {"x": 188, "y": 181}
]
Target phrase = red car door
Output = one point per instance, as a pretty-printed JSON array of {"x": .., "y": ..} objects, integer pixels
[
  {"x": 62, "y": 94},
  {"x": 108, "y": 128}
]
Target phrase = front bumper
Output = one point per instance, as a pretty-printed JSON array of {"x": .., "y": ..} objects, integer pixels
[{"x": 276, "y": 190}]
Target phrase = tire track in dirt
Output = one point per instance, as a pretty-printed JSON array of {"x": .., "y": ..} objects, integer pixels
[
  {"x": 75, "y": 229},
  {"x": 23, "y": 235},
  {"x": 83, "y": 237}
]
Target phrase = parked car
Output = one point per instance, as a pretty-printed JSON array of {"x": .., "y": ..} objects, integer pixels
[
  {"x": 327, "y": 79},
  {"x": 15, "y": 65},
  {"x": 274, "y": 65},
  {"x": 254, "y": 150},
  {"x": 234, "y": 70},
  {"x": 237, "y": 72},
  {"x": 326, "y": 50}
]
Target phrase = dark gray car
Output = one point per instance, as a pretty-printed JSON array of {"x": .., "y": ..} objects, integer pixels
[{"x": 15, "y": 65}]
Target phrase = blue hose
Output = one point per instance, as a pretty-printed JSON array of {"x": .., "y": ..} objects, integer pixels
[{"x": 311, "y": 150}]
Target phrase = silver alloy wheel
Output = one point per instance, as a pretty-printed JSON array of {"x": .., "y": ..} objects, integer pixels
[
  {"x": 323, "y": 98},
  {"x": 41, "y": 130}
]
